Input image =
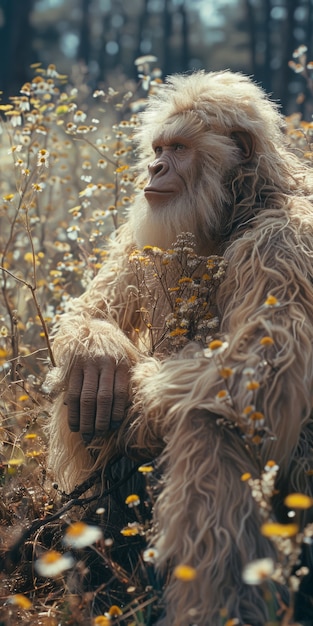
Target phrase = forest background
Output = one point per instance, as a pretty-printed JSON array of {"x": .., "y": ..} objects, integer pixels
[{"x": 74, "y": 74}]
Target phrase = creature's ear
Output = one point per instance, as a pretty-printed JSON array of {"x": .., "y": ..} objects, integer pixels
[{"x": 245, "y": 141}]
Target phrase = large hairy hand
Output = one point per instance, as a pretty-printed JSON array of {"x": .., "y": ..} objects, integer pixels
[{"x": 97, "y": 396}]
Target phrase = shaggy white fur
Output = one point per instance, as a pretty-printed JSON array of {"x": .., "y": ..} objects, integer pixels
[{"x": 258, "y": 214}]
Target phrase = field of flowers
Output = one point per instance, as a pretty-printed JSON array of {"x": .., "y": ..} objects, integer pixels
[{"x": 66, "y": 179}]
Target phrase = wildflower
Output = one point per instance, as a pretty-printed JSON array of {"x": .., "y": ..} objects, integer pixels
[
  {"x": 300, "y": 51},
  {"x": 16, "y": 118},
  {"x": 79, "y": 117},
  {"x": 32, "y": 454},
  {"x": 101, "y": 620},
  {"x": 15, "y": 462},
  {"x": 298, "y": 501},
  {"x": 266, "y": 341},
  {"x": 26, "y": 89},
  {"x": 53, "y": 563},
  {"x": 256, "y": 440},
  {"x": 73, "y": 231},
  {"x": 185, "y": 573},
  {"x": 184, "y": 279},
  {"x": 222, "y": 395},
  {"x": 51, "y": 71},
  {"x": 257, "y": 571},
  {"x": 246, "y": 476},
  {"x": 248, "y": 409},
  {"x": 150, "y": 555},
  {"x": 8, "y": 197},
  {"x": 274, "y": 529},
  {"x": 252, "y": 385},
  {"x": 178, "y": 332},
  {"x": 108, "y": 542},
  {"x": 225, "y": 372},
  {"x": 70, "y": 127},
  {"x": 271, "y": 466},
  {"x": 145, "y": 469},
  {"x": 271, "y": 301},
  {"x": 41, "y": 129},
  {"x": 215, "y": 347},
  {"x": 21, "y": 601},
  {"x": 82, "y": 129},
  {"x": 115, "y": 611},
  {"x": 248, "y": 371},
  {"x": 39, "y": 187},
  {"x": 43, "y": 158},
  {"x": 4, "y": 331},
  {"x": 88, "y": 191},
  {"x": 132, "y": 500},
  {"x": 98, "y": 93},
  {"x": 147, "y": 58},
  {"x": 131, "y": 530},
  {"x": 256, "y": 416},
  {"x": 80, "y": 535},
  {"x": 28, "y": 257}
]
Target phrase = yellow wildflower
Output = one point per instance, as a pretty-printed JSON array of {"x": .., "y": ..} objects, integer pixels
[
  {"x": 185, "y": 573},
  {"x": 184, "y": 279},
  {"x": 115, "y": 611},
  {"x": 21, "y": 601},
  {"x": 271, "y": 301},
  {"x": 252, "y": 385},
  {"x": 246, "y": 476},
  {"x": 266, "y": 341},
  {"x": 80, "y": 535},
  {"x": 222, "y": 394},
  {"x": 298, "y": 501},
  {"x": 101, "y": 620},
  {"x": 256, "y": 416},
  {"x": 215, "y": 344},
  {"x": 178, "y": 331},
  {"x": 225, "y": 372},
  {"x": 130, "y": 530},
  {"x": 257, "y": 571},
  {"x": 145, "y": 469},
  {"x": 132, "y": 500},
  {"x": 274, "y": 529}
]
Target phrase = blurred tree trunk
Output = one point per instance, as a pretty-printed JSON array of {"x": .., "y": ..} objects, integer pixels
[
  {"x": 167, "y": 30},
  {"x": 289, "y": 44},
  {"x": 84, "y": 50},
  {"x": 16, "y": 52},
  {"x": 266, "y": 72},
  {"x": 185, "y": 54},
  {"x": 142, "y": 21},
  {"x": 251, "y": 29}
]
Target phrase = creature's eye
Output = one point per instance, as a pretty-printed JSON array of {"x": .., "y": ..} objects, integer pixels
[
  {"x": 157, "y": 150},
  {"x": 178, "y": 147}
]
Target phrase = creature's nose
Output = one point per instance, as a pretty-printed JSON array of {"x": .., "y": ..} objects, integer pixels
[{"x": 158, "y": 167}]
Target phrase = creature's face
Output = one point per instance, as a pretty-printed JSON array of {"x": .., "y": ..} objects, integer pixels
[
  {"x": 170, "y": 171},
  {"x": 187, "y": 188}
]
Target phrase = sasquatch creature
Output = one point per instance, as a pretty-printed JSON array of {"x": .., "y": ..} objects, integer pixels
[{"x": 214, "y": 164}]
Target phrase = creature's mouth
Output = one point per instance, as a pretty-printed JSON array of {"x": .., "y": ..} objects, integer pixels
[{"x": 148, "y": 190}]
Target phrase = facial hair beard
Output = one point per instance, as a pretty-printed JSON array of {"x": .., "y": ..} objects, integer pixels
[{"x": 161, "y": 226}]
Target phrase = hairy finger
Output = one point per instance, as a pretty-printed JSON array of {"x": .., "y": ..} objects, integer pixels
[
  {"x": 72, "y": 399},
  {"x": 88, "y": 401},
  {"x": 121, "y": 394},
  {"x": 105, "y": 397}
]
